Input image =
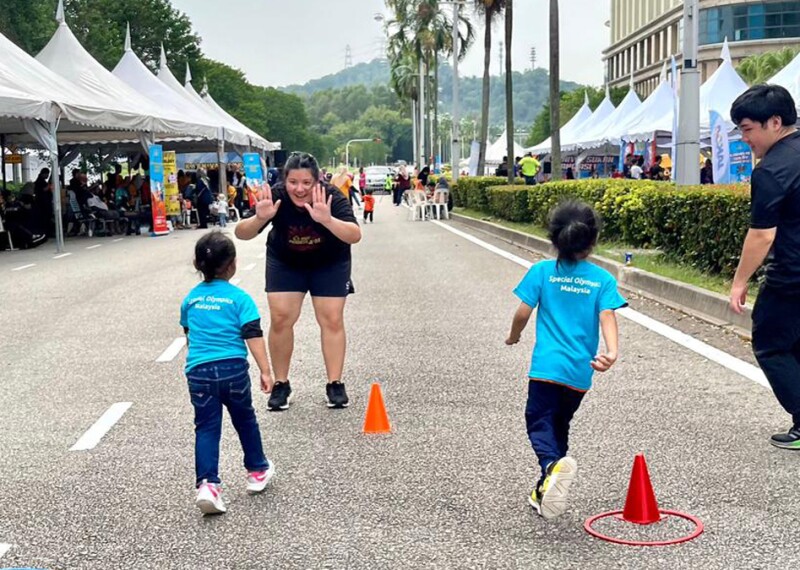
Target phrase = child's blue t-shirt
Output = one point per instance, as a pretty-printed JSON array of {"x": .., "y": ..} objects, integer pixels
[
  {"x": 570, "y": 298},
  {"x": 215, "y": 313}
]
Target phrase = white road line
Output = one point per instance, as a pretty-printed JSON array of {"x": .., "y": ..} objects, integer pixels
[
  {"x": 4, "y": 548},
  {"x": 118, "y": 240},
  {"x": 101, "y": 427},
  {"x": 713, "y": 354},
  {"x": 95, "y": 246},
  {"x": 249, "y": 267},
  {"x": 172, "y": 350},
  {"x": 235, "y": 281},
  {"x": 23, "y": 267},
  {"x": 63, "y": 255}
]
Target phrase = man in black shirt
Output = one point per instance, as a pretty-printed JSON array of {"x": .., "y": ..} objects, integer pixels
[{"x": 766, "y": 117}]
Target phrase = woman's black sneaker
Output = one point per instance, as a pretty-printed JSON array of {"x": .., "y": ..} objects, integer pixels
[
  {"x": 280, "y": 397},
  {"x": 788, "y": 440},
  {"x": 337, "y": 396}
]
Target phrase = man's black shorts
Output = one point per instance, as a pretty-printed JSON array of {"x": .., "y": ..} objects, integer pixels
[{"x": 327, "y": 281}]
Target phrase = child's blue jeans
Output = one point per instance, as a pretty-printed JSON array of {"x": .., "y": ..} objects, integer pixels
[
  {"x": 548, "y": 414},
  {"x": 211, "y": 386}
]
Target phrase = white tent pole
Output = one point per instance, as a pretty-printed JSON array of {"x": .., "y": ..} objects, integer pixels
[{"x": 54, "y": 170}]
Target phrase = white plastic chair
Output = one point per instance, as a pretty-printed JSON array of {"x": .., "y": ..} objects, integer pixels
[
  {"x": 439, "y": 205},
  {"x": 418, "y": 204}
]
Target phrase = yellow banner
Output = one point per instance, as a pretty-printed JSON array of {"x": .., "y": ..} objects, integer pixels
[{"x": 171, "y": 191}]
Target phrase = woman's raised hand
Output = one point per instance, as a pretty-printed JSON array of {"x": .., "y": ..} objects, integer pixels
[
  {"x": 320, "y": 208},
  {"x": 265, "y": 207}
]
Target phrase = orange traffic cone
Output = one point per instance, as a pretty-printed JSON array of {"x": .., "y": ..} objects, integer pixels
[
  {"x": 377, "y": 420},
  {"x": 640, "y": 506}
]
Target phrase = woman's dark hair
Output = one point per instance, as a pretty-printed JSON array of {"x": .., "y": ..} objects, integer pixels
[
  {"x": 762, "y": 102},
  {"x": 213, "y": 254},
  {"x": 301, "y": 161},
  {"x": 574, "y": 227}
]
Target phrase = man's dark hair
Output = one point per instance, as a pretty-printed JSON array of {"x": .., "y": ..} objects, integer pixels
[{"x": 762, "y": 102}]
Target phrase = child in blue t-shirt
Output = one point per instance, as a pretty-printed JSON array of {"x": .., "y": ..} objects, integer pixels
[
  {"x": 574, "y": 298},
  {"x": 221, "y": 322}
]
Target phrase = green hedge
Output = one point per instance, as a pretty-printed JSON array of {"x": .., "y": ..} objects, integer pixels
[{"x": 702, "y": 226}]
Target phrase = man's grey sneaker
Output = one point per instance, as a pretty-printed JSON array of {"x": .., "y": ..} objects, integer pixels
[
  {"x": 281, "y": 397},
  {"x": 336, "y": 395},
  {"x": 788, "y": 440}
]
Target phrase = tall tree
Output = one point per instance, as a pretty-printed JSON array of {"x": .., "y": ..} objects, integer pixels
[
  {"x": 555, "y": 108},
  {"x": 509, "y": 92},
  {"x": 489, "y": 9}
]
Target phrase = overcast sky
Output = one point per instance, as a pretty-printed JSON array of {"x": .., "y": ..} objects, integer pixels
[{"x": 279, "y": 43}]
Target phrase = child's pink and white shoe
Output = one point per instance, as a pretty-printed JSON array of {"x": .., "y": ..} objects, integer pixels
[
  {"x": 257, "y": 480},
  {"x": 209, "y": 499}
]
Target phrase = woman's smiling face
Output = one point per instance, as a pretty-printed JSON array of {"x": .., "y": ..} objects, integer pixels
[{"x": 299, "y": 184}]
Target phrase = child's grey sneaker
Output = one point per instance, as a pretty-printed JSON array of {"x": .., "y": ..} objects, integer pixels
[{"x": 555, "y": 488}]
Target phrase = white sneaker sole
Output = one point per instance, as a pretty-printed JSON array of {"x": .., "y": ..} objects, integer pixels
[
  {"x": 554, "y": 500},
  {"x": 256, "y": 488},
  {"x": 332, "y": 405},
  {"x": 208, "y": 507}
]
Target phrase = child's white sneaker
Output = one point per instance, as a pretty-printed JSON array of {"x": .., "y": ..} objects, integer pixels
[
  {"x": 257, "y": 480},
  {"x": 209, "y": 499},
  {"x": 555, "y": 488}
]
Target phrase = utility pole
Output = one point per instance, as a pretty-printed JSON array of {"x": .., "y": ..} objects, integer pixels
[
  {"x": 456, "y": 153},
  {"x": 533, "y": 58},
  {"x": 689, "y": 115}
]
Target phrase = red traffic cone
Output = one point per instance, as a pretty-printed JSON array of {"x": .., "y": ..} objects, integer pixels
[{"x": 640, "y": 506}]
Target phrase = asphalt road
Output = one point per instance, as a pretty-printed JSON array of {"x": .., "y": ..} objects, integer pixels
[{"x": 447, "y": 489}]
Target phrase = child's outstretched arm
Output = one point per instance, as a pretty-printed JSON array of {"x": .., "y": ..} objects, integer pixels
[
  {"x": 258, "y": 349},
  {"x": 518, "y": 324},
  {"x": 608, "y": 324}
]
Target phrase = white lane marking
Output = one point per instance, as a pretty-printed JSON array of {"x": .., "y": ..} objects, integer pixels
[
  {"x": 262, "y": 255},
  {"x": 713, "y": 354},
  {"x": 95, "y": 246},
  {"x": 249, "y": 267},
  {"x": 23, "y": 267},
  {"x": 118, "y": 240},
  {"x": 101, "y": 427},
  {"x": 63, "y": 255},
  {"x": 172, "y": 350},
  {"x": 235, "y": 281},
  {"x": 4, "y": 548}
]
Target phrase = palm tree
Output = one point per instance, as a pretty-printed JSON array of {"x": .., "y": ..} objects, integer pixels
[
  {"x": 555, "y": 94},
  {"x": 760, "y": 68},
  {"x": 489, "y": 9},
  {"x": 509, "y": 93}
]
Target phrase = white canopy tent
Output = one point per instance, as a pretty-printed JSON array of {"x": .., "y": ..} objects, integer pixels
[
  {"x": 499, "y": 148},
  {"x": 597, "y": 135},
  {"x": 655, "y": 114},
  {"x": 604, "y": 110},
  {"x": 789, "y": 77},
  {"x": 720, "y": 91},
  {"x": 135, "y": 74},
  {"x": 568, "y": 131},
  {"x": 257, "y": 140}
]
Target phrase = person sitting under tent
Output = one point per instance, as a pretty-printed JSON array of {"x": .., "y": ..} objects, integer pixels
[{"x": 19, "y": 222}]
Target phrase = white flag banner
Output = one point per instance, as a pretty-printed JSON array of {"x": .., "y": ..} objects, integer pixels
[{"x": 720, "y": 149}]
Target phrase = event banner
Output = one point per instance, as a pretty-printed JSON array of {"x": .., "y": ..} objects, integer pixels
[
  {"x": 157, "y": 190},
  {"x": 474, "y": 153},
  {"x": 254, "y": 176},
  {"x": 171, "y": 191},
  {"x": 720, "y": 149},
  {"x": 741, "y": 162}
]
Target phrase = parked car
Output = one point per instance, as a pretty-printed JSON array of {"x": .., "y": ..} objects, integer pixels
[{"x": 376, "y": 176}]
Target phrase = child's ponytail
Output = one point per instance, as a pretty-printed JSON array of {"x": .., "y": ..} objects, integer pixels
[
  {"x": 213, "y": 254},
  {"x": 574, "y": 228}
]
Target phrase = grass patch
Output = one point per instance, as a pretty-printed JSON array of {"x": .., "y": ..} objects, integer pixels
[{"x": 652, "y": 261}]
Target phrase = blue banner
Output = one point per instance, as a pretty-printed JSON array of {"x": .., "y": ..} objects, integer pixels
[
  {"x": 720, "y": 149},
  {"x": 252, "y": 168},
  {"x": 159, "y": 208},
  {"x": 741, "y": 162}
]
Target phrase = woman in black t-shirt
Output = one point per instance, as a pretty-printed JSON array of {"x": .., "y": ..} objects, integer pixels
[{"x": 308, "y": 251}]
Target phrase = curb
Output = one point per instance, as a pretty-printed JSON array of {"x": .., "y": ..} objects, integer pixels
[{"x": 695, "y": 301}]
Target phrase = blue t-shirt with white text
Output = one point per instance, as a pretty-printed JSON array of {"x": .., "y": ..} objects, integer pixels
[
  {"x": 215, "y": 313},
  {"x": 570, "y": 298}
]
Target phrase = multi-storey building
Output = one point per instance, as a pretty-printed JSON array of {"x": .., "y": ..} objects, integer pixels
[{"x": 645, "y": 33}]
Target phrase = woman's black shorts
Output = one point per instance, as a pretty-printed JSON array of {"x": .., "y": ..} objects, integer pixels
[{"x": 328, "y": 281}]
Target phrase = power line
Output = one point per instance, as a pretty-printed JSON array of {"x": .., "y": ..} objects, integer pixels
[{"x": 533, "y": 58}]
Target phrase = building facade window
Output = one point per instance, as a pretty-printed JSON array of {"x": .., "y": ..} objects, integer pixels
[{"x": 752, "y": 21}]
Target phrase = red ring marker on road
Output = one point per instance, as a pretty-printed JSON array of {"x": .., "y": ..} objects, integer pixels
[{"x": 698, "y": 530}]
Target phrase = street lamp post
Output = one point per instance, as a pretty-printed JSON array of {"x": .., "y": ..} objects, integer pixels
[
  {"x": 689, "y": 114},
  {"x": 347, "y": 148},
  {"x": 456, "y": 142}
]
